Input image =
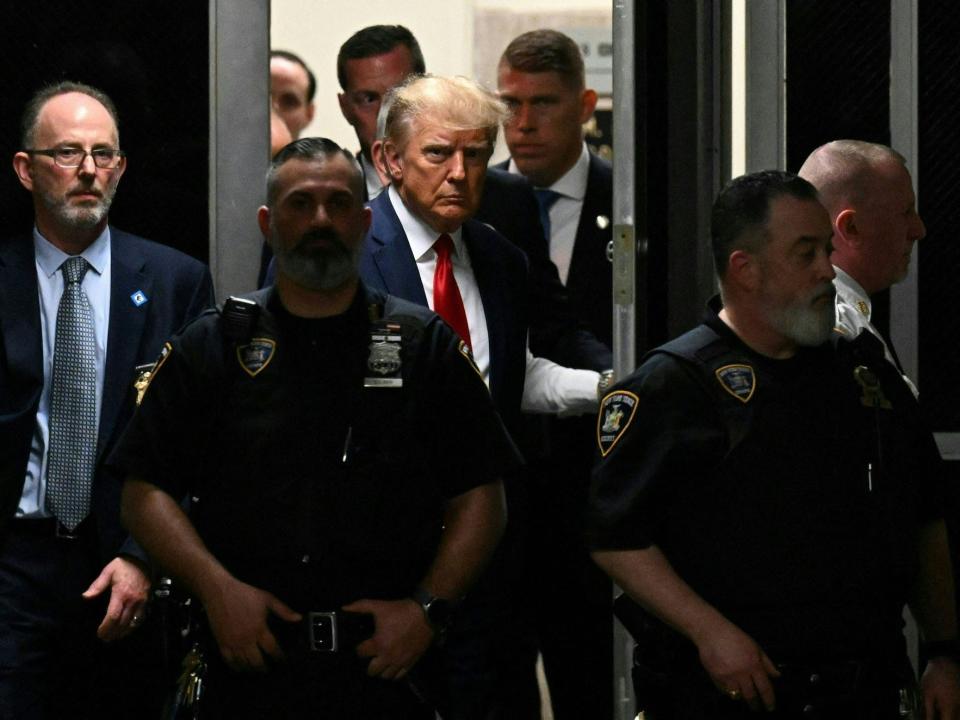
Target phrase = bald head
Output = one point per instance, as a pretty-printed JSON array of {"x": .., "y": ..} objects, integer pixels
[{"x": 868, "y": 192}]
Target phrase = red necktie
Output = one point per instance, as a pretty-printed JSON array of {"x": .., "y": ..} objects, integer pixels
[{"x": 447, "y": 302}]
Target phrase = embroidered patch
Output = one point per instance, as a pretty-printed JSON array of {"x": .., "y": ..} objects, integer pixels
[
  {"x": 256, "y": 355},
  {"x": 465, "y": 351},
  {"x": 146, "y": 373},
  {"x": 738, "y": 380},
  {"x": 139, "y": 298},
  {"x": 616, "y": 414}
]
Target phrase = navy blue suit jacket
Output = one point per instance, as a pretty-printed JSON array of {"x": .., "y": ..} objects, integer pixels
[
  {"x": 177, "y": 288},
  {"x": 500, "y": 269},
  {"x": 590, "y": 280}
]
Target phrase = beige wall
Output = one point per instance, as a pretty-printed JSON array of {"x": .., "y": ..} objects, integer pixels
[{"x": 315, "y": 29}]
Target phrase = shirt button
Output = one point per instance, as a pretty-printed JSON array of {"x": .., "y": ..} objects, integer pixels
[
  {"x": 815, "y": 679},
  {"x": 305, "y": 559}
]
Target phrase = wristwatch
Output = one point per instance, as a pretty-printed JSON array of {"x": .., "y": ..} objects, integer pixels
[{"x": 439, "y": 612}]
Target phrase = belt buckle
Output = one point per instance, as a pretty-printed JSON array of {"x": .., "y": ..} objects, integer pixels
[
  {"x": 323, "y": 632},
  {"x": 62, "y": 533}
]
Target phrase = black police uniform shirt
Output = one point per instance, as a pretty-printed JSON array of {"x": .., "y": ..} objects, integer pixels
[
  {"x": 803, "y": 532},
  {"x": 305, "y": 483}
]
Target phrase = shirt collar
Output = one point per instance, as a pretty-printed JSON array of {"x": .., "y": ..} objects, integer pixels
[
  {"x": 50, "y": 257},
  {"x": 573, "y": 183},
  {"x": 420, "y": 235},
  {"x": 852, "y": 293}
]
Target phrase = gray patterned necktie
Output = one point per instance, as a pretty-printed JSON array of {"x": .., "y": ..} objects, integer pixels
[{"x": 73, "y": 405}]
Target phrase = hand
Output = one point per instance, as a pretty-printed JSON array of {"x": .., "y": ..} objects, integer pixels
[
  {"x": 129, "y": 590},
  {"x": 941, "y": 689},
  {"x": 238, "y": 614},
  {"x": 737, "y": 666},
  {"x": 402, "y": 636}
]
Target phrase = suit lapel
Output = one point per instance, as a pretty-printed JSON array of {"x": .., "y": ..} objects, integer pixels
[
  {"x": 590, "y": 243},
  {"x": 485, "y": 272},
  {"x": 391, "y": 253},
  {"x": 20, "y": 311},
  {"x": 127, "y": 321}
]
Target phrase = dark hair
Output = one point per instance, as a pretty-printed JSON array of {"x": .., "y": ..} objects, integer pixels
[
  {"x": 743, "y": 207},
  {"x": 293, "y": 57},
  {"x": 377, "y": 40},
  {"x": 31, "y": 113},
  {"x": 546, "y": 51},
  {"x": 312, "y": 148}
]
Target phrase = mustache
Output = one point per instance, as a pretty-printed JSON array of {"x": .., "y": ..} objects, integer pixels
[
  {"x": 319, "y": 235},
  {"x": 826, "y": 290}
]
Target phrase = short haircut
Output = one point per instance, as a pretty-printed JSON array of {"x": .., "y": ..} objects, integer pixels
[
  {"x": 378, "y": 40},
  {"x": 294, "y": 58},
  {"x": 843, "y": 171},
  {"x": 456, "y": 102},
  {"x": 546, "y": 51},
  {"x": 31, "y": 113},
  {"x": 312, "y": 148},
  {"x": 742, "y": 209}
]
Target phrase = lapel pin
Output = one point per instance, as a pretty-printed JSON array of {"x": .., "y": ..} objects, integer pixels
[
  {"x": 139, "y": 298},
  {"x": 603, "y": 222}
]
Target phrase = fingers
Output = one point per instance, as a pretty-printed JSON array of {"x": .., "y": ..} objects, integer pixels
[
  {"x": 99, "y": 585},
  {"x": 281, "y": 610}
]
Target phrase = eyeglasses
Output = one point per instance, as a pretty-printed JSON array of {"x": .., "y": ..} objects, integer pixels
[{"x": 71, "y": 157}]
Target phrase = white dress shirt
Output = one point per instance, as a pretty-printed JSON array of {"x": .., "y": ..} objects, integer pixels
[
  {"x": 547, "y": 387},
  {"x": 853, "y": 312},
  {"x": 565, "y": 212},
  {"x": 371, "y": 178},
  {"x": 96, "y": 285}
]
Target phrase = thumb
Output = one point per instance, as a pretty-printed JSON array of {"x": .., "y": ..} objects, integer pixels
[
  {"x": 99, "y": 585},
  {"x": 282, "y": 611},
  {"x": 360, "y": 606},
  {"x": 768, "y": 665}
]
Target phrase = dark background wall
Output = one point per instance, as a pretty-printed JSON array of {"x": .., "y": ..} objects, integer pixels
[{"x": 153, "y": 61}]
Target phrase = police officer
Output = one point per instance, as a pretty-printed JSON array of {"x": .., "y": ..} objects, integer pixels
[
  {"x": 344, "y": 458},
  {"x": 760, "y": 493}
]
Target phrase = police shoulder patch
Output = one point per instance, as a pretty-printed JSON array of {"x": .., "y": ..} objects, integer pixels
[
  {"x": 739, "y": 380},
  {"x": 256, "y": 355},
  {"x": 616, "y": 413}
]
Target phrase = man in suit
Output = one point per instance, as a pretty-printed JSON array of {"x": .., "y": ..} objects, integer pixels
[
  {"x": 424, "y": 246},
  {"x": 379, "y": 57},
  {"x": 541, "y": 80},
  {"x": 292, "y": 87},
  {"x": 84, "y": 310}
]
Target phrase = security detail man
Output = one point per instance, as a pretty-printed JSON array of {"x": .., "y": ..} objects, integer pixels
[
  {"x": 344, "y": 455},
  {"x": 756, "y": 494},
  {"x": 84, "y": 309}
]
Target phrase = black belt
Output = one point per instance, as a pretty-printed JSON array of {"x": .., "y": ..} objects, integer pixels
[
  {"x": 48, "y": 527},
  {"x": 324, "y": 632}
]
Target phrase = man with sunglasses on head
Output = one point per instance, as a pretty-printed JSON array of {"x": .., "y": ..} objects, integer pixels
[{"x": 84, "y": 310}]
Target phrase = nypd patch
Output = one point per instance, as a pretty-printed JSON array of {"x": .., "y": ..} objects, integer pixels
[
  {"x": 616, "y": 414},
  {"x": 738, "y": 380},
  {"x": 256, "y": 355}
]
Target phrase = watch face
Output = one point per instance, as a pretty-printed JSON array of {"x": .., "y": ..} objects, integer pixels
[{"x": 438, "y": 611}]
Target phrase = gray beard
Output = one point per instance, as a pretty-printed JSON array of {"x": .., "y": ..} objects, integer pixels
[
  {"x": 79, "y": 218},
  {"x": 805, "y": 325},
  {"x": 326, "y": 269}
]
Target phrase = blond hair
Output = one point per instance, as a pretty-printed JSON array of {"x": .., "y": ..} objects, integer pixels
[{"x": 458, "y": 103}]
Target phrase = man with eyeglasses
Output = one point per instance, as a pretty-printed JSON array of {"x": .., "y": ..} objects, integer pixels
[{"x": 84, "y": 310}]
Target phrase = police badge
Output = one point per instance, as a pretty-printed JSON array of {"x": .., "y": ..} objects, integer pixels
[
  {"x": 616, "y": 413},
  {"x": 384, "y": 362},
  {"x": 256, "y": 355},
  {"x": 738, "y": 380}
]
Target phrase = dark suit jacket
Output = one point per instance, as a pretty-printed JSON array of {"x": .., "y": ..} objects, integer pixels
[
  {"x": 177, "y": 287},
  {"x": 590, "y": 281},
  {"x": 556, "y": 332},
  {"x": 387, "y": 263}
]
